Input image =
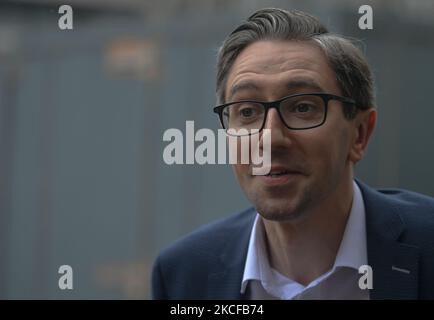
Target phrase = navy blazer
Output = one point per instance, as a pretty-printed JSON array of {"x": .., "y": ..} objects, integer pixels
[{"x": 209, "y": 263}]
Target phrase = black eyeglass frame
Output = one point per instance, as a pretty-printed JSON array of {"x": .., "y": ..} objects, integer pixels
[{"x": 277, "y": 103}]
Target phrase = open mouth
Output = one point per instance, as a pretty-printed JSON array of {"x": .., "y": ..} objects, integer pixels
[
  {"x": 279, "y": 177},
  {"x": 277, "y": 174}
]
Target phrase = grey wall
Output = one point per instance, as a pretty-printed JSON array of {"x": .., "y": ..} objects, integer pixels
[{"x": 83, "y": 181}]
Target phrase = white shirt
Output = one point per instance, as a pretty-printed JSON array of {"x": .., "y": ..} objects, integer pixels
[{"x": 341, "y": 282}]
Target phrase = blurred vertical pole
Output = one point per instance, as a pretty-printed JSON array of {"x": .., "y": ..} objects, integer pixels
[
  {"x": 9, "y": 87},
  {"x": 389, "y": 130},
  {"x": 149, "y": 154},
  {"x": 42, "y": 244}
]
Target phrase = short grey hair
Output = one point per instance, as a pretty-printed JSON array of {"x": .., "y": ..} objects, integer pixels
[{"x": 353, "y": 73}]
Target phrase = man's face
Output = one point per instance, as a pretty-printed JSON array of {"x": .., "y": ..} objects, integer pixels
[{"x": 314, "y": 162}]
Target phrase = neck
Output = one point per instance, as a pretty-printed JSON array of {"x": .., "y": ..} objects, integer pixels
[{"x": 304, "y": 250}]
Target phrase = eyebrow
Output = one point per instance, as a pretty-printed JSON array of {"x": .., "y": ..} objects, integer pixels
[{"x": 297, "y": 83}]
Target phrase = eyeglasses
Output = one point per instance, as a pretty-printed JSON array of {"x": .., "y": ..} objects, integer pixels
[{"x": 298, "y": 112}]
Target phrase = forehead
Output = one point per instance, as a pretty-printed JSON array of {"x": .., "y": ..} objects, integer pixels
[{"x": 275, "y": 63}]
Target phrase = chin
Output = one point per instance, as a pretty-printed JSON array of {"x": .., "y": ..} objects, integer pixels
[{"x": 280, "y": 212}]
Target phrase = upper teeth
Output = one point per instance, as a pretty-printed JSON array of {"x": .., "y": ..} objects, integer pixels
[{"x": 280, "y": 172}]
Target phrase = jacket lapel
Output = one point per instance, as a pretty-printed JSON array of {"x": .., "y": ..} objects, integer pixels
[
  {"x": 394, "y": 264},
  {"x": 224, "y": 281}
]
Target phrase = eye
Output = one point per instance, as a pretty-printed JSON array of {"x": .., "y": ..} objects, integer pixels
[
  {"x": 304, "y": 107},
  {"x": 247, "y": 112}
]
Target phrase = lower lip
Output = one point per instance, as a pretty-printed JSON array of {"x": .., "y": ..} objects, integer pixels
[{"x": 278, "y": 180}]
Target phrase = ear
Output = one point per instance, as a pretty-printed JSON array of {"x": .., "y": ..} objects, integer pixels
[{"x": 364, "y": 124}]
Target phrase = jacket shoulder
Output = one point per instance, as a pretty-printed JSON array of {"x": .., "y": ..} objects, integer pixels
[
  {"x": 415, "y": 211},
  {"x": 210, "y": 236},
  {"x": 182, "y": 269},
  {"x": 410, "y": 205}
]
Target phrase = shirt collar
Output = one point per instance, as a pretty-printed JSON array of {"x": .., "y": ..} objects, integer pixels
[{"x": 352, "y": 250}]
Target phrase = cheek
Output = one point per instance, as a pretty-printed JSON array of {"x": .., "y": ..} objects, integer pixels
[
  {"x": 240, "y": 149},
  {"x": 327, "y": 151},
  {"x": 241, "y": 172}
]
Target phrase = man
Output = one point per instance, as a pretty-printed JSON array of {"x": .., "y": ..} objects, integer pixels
[{"x": 312, "y": 225}]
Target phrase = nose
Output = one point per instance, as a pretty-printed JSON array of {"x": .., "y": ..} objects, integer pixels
[{"x": 278, "y": 130}]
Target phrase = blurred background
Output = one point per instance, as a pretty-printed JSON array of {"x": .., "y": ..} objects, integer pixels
[{"x": 82, "y": 116}]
